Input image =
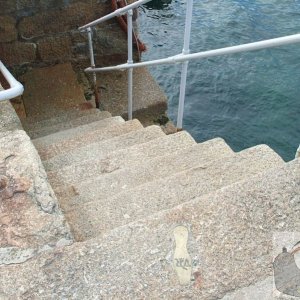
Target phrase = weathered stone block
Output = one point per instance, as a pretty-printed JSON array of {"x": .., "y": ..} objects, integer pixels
[
  {"x": 9, "y": 119},
  {"x": 55, "y": 48},
  {"x": 17, "y": 53},
  {"x": 8, "y": 32},
  {"x": 61, "y": 20},
  {"x": 27, "y": 7},
  {"x": 50, "y": 91},
  {"x": 110, "y": 41},
  {"x": 47, "y": 19},
  {"x": 29, "y": 215},
  {"x": 38, "y": 4},
  {"x": 7, "y": 6},
  {"x": 17, "y": 6},
  {"x": 43, "y": 4}
]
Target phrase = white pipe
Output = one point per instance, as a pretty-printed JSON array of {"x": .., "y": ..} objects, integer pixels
[
  {"x": 130, "y": 62},
  {"x": 291, "y": 39},
  {"x": 186, "y": 50},
  {"x": 92, "y": 56},
  {"x": 16, "y": 88},
  {"x": 188, "y": 27},
  {"x": 90, "y": 39},
  {"x": 298, "y": 153},
  {"x": 184, "y": 72},
  {"x": 116, "y": 13}
]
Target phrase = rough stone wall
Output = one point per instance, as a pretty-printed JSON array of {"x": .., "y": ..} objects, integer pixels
[
  {"x": 30, "y": 218},
  {"x": 44, "y": 32}
]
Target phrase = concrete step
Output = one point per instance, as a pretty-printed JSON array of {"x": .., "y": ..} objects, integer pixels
[
  {"x": 63, "y": 135},
  {"x": 98, "y": 217},
  {"x": 263, "y": 289},
  {"x": 116, "y": 160},
  {"x": 100, "y": 149},
  {"x": 108, "y": 185},
  {"x": 65, "y": 141},
  {"x": 228, "y": 235},
  {"x": 83, "y": 120},
  {"x": 68, "y": 115}
]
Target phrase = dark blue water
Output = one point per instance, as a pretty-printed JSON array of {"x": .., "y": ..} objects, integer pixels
[{"x": 247, "y": 99}]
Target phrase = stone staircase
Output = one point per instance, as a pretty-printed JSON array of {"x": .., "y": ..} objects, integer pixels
[{"x": 118, "y": 191}]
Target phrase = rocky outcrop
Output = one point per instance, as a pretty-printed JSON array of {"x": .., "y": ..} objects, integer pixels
[
  {"x": 8, "y": 117},
  {"x": 30, "y": 218}
]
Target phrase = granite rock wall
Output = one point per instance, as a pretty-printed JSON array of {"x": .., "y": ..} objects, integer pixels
[
  {"x": 30, "y": 218},
  {"x": 44, "y": 32}
]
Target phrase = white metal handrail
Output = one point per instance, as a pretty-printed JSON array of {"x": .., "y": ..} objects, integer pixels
[
  {"x": 182, "y": 58},
  {"x": 116, "y": 13},
  {"x": 291, "y": 39},
  {"x": 88, "y": 28},
  {"x": 298, "y": 153},
  {"x": 16, "y": 88}
]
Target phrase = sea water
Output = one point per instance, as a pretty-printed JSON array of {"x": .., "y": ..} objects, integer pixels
[{"x": 247, "y": 99}]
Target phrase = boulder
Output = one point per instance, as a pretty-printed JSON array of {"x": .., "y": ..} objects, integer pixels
[{"x": 30, "y": 218}]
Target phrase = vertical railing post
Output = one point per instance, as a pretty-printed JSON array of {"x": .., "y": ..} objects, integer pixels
[
  {"x": 186, "y": 50},
  {"x": 92, "y": 59},
  {"x": 130, "y": 61},
  {"x": 298, "y": 153}
]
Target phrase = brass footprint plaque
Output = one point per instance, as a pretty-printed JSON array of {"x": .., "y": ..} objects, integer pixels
[{"x": 182, "y": 262}]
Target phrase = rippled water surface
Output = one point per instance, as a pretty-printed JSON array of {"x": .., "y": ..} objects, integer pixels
[{"x": 247, "y": 99}]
